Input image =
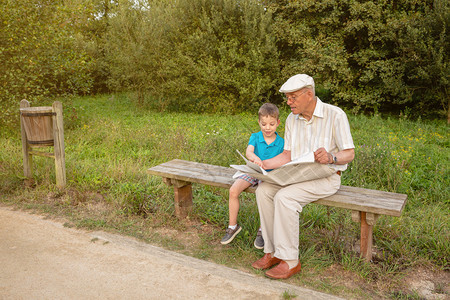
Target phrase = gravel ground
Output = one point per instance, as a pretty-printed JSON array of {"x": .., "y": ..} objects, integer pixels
[{"x": 42, "y": 259}]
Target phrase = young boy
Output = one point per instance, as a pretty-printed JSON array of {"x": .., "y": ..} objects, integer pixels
[{"x": 262, "y": 145}]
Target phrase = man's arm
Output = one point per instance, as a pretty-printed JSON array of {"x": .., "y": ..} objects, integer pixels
[
  {"x": 277, "y": 161},
  {"x": 343, "y": 157}
]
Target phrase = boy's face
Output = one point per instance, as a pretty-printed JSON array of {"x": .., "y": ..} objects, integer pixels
[{"x": 268, "y": 125}]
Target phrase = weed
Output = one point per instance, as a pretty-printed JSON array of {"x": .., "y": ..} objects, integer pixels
[
  {"x": 91, "y": 223},
  {"x": 399, "y": 295},
  {"x": 288, "y": 295}
]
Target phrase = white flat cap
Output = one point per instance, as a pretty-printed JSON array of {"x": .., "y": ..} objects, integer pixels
[{"x": 296, "y": 82}]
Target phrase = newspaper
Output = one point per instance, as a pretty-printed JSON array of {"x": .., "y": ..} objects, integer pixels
[{"x": 302, "y": 169}]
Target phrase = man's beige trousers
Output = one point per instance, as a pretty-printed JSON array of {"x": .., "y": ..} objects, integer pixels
[{"x": 279, "y": 209}]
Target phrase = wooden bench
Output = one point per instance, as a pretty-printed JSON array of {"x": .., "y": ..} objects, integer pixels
[{"x": 366, "y": 205}]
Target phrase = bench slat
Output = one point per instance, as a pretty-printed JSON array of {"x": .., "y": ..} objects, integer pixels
[
  {"x": 199, "y": 167},
  {"x": 192, "y": 176},
  {"x": 360, "y": 199},
  {"x": 384, "y": 203},
  {"x": 197, "y": 172}
]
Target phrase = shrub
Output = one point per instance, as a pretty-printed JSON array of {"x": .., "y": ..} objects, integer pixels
[
  {"x": 207, "y": 55},
  {"x": 40, "y": 55},
  {"x": 370, "y": 55}
]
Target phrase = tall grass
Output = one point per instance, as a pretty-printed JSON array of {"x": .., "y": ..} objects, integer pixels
[{"x": 110, "y": 143}]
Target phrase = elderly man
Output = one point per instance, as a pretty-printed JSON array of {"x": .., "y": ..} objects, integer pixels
[{"x": 312, "y": 126}]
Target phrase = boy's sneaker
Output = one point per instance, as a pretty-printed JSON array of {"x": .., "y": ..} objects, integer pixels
[
  {"x": 230, "y": 235},
  {"x": 259, "y": 241}
]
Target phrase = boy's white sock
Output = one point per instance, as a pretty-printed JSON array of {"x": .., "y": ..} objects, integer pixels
[{"x": 232, "y": 226}]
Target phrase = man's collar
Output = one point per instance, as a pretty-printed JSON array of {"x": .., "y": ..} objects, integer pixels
[{"x": 318, "y": 110}]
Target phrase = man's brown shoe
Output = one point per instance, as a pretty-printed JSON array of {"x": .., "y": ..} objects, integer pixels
[
  {"x": 265, "y": 262},
  {"x": 282, "y": 271}
]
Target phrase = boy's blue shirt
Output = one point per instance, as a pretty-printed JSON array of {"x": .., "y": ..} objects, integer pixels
[{"x": 264, "y": 151}]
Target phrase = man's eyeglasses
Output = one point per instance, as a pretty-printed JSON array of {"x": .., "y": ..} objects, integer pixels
[{"x": 294, "y": 97}]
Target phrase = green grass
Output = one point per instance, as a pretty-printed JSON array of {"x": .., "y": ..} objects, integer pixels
[{"x": 110, "y": 143}]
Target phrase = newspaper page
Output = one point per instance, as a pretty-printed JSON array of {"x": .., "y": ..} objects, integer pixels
[{"x": 299, "y": 170}]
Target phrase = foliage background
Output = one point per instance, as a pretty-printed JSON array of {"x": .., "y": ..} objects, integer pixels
[
  {"x": 226, "y": 55},
  {"x": 382, "y": 55},
  {"x": 42, "y": 54}
]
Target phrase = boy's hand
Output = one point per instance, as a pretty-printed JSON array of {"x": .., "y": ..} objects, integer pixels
[
  {"x": 258, "y": 161},
  {"x": 263, "y": 166}
]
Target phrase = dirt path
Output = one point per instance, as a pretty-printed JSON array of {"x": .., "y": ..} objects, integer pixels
[{"x": 42, "y": 259}]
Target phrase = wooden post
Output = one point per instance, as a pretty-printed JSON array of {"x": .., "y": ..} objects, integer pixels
[
  {"x": 366, "y": 238},
  {"x": 27, "y": 158},
  {"x": 183, "y": 197},
  {"x": 367, "y": 221},
  {"x": 58, "y": 136}
]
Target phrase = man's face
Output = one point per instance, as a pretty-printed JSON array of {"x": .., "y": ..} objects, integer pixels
[
  {"x": 298, "y": 100},
  {"x": 268, "y": 125}
]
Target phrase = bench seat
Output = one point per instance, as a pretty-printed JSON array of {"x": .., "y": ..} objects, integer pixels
[{"x": 366, "y": 204}]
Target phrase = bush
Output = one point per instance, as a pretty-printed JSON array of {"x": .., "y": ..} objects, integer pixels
[
  {"x": 40, "y": 55},
  {"x": 208, "y": 55},
  {"x": 370, "y": 55}
]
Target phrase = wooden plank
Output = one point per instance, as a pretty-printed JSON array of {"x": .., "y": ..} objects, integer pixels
[
  {"x": 220, "y": 179},
  {"x": 373, "y": 203},
  {"x": 39, "y": 153},
  {"x": 189, "y": 175},
  {"x": 195, "y": 172},
  {"x": 359, "y": 199},
  {"x": 199, "y": 168},
  {"x": 385, "y": 200}
]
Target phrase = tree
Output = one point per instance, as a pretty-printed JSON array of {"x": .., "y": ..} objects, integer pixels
[
  {"x": 40, "y": 55},
  {"x": 375, "y": 55},
  {"x": 207, "y": 55}
]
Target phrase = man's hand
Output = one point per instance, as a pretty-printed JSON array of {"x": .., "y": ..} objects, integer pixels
[{"x": 322, "y": 156}]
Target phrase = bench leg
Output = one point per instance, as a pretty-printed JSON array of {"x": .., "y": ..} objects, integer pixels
[
  {"x": 183, "y": 196},
  {"x": 367, "y": 221},
  {"x": 183, "y": 200},
  {"x": 366, "y": 238}
]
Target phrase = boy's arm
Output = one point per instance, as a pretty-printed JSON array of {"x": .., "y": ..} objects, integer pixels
[
  {"x": 277, "y": 161},
  {"x": 250, "y": 154}
]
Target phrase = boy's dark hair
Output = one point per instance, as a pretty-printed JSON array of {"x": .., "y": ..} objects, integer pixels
[{"x": 269, "y": 109}]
